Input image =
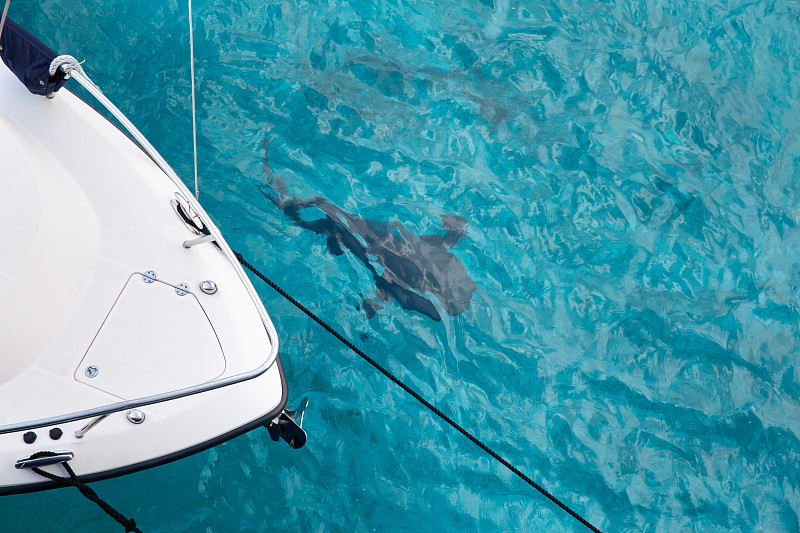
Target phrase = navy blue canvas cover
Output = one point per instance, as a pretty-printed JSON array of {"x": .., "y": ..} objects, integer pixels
[{"x": 29, "y": 59}]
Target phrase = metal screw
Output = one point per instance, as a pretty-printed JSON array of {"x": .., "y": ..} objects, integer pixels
[
  {"x": 135, "y": 416},
  {"x": 91, "y": 371},
  {"x": 208, "y": 287}
]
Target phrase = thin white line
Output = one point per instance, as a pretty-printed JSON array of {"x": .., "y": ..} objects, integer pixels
[{"x": 194, "y": 114}]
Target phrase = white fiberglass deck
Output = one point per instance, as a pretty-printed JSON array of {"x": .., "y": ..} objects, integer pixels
[{"x": 83, "y": 214}]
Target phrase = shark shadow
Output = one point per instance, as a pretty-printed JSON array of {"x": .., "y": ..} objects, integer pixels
[{"x": 404, "y": 266}]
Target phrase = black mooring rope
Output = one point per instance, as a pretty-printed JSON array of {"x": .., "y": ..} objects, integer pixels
[
  {"x": 72, "y": 481},
  {"x": 417, "y": 397}
]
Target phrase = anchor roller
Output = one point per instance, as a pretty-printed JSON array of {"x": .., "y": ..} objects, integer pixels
[{"x": 289, "y": 426}]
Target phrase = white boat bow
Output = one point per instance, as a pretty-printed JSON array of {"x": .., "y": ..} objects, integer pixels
[{"x": 103, "y": 310}]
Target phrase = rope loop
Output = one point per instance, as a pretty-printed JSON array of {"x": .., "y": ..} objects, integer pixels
[{"x": 68, "y": 64}]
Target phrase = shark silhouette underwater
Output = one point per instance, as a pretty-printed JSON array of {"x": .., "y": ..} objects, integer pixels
[{"x": 404, "y": 266}]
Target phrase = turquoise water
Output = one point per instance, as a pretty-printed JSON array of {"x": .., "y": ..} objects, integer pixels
[{"x": 627, "y": 176}]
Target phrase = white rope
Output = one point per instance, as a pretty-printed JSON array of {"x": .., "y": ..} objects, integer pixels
[
  {"x": 194, "y": 114},
  {"x": 3, "y": 20},
  {"x": 68, "y": 64}
]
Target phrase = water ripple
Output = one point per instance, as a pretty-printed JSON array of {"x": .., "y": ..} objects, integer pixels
[{"x": 626, "y": 171}]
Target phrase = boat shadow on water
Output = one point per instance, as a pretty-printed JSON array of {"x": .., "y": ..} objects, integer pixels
[{"x": 404, "y": 266}]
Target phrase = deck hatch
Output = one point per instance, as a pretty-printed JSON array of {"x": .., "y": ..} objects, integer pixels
[{"x": 153, "y": 341}]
